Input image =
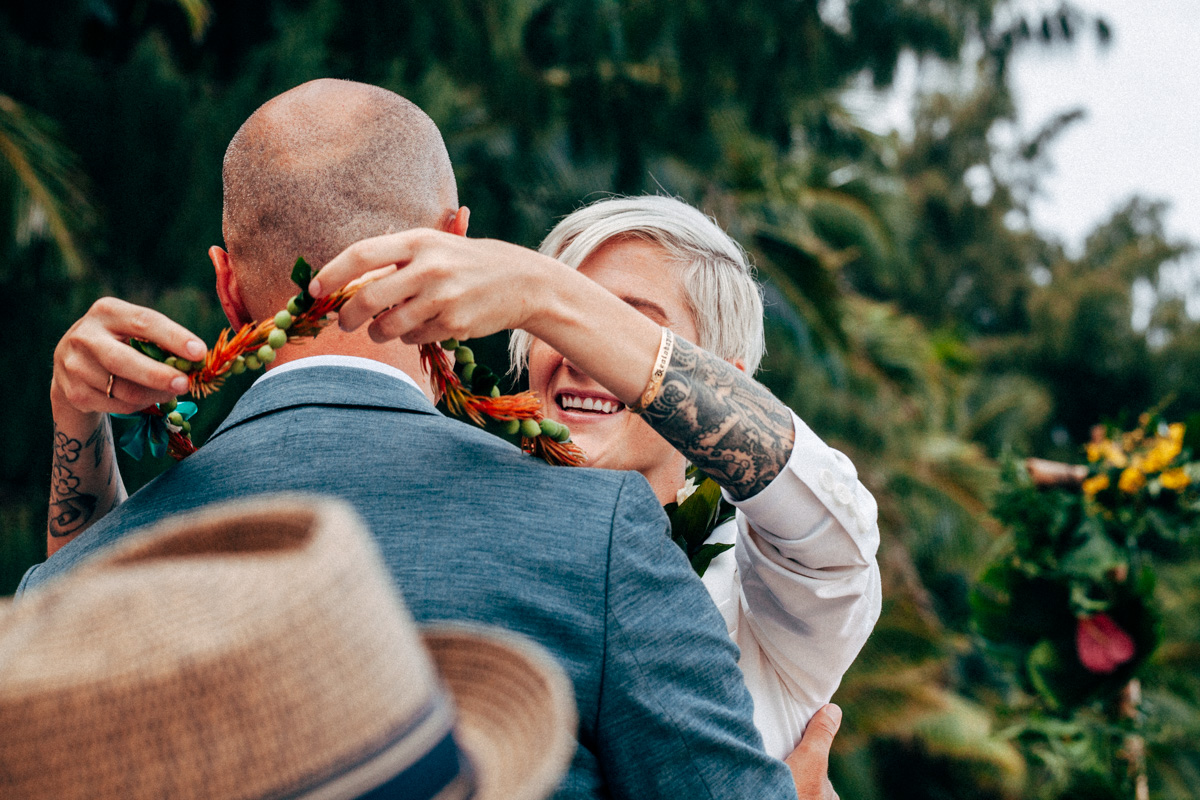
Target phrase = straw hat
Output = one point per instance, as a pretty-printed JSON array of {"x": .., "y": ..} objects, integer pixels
[{"x": 259, "y": 650}]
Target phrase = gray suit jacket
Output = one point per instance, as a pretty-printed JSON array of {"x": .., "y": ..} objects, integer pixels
[{"x": 473, "y": 529}]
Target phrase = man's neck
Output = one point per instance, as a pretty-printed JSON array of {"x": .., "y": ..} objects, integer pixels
[{"x": 334, "y": 341}]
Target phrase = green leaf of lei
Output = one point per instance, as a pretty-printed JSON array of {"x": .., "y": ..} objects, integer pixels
[{"x": 301, "y": 276}]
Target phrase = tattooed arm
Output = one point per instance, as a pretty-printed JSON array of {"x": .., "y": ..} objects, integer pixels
[
  {"x": 724, "y": 421},
  {"x": 96, "y": 373},
  {"x": 84, "y": 481}
]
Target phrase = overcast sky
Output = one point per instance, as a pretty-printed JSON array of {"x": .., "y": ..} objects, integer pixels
[
  {"x": 1141, "y": 134},
  {"x": 1142, "y": 129}
]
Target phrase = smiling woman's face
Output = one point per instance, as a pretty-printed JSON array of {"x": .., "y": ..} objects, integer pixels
[{"x": 642, "y": 274}]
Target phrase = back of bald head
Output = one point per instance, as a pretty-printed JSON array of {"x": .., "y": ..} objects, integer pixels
[{"x": 320, "y": 167}]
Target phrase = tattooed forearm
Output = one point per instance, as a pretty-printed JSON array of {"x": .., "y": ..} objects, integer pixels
[
  {"x": 79, "y": 491},
  {"x": 70, "y": 509},
  {"x": 724, "y": 421}
]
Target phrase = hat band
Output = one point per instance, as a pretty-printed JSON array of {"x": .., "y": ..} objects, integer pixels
[
  {"x": 419, "y": 761},
  {"x": 442, "y": 774}
]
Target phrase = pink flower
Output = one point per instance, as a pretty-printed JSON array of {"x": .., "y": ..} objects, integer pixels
[{"x": 1101, "y": 643}]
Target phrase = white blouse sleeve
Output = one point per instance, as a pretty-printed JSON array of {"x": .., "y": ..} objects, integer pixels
[{"x": 805, "y": 591}]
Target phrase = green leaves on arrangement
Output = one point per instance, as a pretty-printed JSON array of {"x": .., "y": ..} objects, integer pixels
[
  {"x": 1096, "y": 558},
  {"x": 694, "y": 520},
  {"x": 1078, "y": 567}
]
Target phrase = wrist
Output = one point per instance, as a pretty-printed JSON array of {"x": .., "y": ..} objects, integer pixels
[
  {"x": 66, "y": 415},
  {"x": 556, "y": 297}
]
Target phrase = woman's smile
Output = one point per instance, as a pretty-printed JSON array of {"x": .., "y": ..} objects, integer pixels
[
  {"x": 587, "y": 404},
  {"x": 644, "y": 275}
]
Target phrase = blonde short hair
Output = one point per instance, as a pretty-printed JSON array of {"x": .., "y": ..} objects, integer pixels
[{"x": 718, "y": 282}]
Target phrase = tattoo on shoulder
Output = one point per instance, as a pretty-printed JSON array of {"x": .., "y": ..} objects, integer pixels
[{"x": 723, "y": 420}]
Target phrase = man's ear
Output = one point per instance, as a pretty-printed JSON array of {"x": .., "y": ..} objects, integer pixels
[
  {"x": 227, "y": 288},
  {"x": 457, "y": 222}
]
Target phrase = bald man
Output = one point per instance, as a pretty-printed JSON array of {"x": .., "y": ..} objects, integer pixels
[{"x": 471, "y": 528}]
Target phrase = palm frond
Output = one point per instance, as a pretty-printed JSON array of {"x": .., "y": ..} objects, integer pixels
[
  {"x": 199, "y": 15},
  {"x": 51, "y": 202}
]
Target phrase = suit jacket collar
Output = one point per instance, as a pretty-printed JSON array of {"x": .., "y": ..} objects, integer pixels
[{"x": 344, "y": 387}]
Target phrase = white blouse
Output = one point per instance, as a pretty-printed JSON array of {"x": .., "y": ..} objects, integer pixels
[{"x": 800, "y": 590}]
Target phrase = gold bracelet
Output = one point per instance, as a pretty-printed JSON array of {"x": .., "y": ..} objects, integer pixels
[{"x": 666, "y": 347}]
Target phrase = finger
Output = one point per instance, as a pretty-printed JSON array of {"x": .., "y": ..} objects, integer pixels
[
  {"x": 126, "y": 320},
  {"x": 362, "y": 257},
  {"x": 414, "y": 322},
  {"x": 374, "y": 299},
  {"x": 137, "y": 397},
  {"x": 139, "y": 370},
  {"x": 818, "y": 736},
  {"x": 391, "y": 324},
  {"x": 91, "y": 390},
  {"x": 85, "y": 384},
  {"x": 367, "y": 277},
  {"x": 97, "y": 400},
  {"x": 438, "y": 328}
]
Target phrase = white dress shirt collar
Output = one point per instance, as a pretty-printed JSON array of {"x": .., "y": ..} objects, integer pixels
[{"x": 341, "y": 361}]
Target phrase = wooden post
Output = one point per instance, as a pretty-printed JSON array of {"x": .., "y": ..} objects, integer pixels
[
  {"x": 1055, "y": 473},
  {"x": 1134, "y": 750}
]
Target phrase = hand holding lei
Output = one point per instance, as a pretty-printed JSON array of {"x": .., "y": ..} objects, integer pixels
[{"x": 468, "y": 389}]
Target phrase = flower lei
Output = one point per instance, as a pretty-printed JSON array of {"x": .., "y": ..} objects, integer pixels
[{"x": 468, "y": 389}]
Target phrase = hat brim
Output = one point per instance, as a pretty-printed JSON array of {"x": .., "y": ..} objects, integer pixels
[{"x": 516, "y": 709}]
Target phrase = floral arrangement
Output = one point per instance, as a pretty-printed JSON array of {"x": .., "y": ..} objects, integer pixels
[
  {"x": 1070, "y": 602},
  {"x": 1138, "y": 461},
  {"x": 698, "y": 509},
  {"x": 468, "y": 389}
]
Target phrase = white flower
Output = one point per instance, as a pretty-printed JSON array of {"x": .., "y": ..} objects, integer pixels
[{"x": 686, "y": 491}]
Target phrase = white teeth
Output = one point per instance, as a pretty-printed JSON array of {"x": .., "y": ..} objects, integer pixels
[{"x": 569, "y": 401}]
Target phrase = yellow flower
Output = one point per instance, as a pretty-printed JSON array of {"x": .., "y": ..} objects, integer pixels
[
  {"x": 1131, "y": 480},
  {"x": 1175, "y": 432},
  {"x": 1095, "y": 484},
  {"x": 1175, "y": 479},
  {"x": 1161, "y": 455},
  {"x": 1106, "y": 450}
]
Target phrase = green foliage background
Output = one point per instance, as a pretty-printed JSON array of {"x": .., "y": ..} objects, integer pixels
[{"x": 923, "y": 328}]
